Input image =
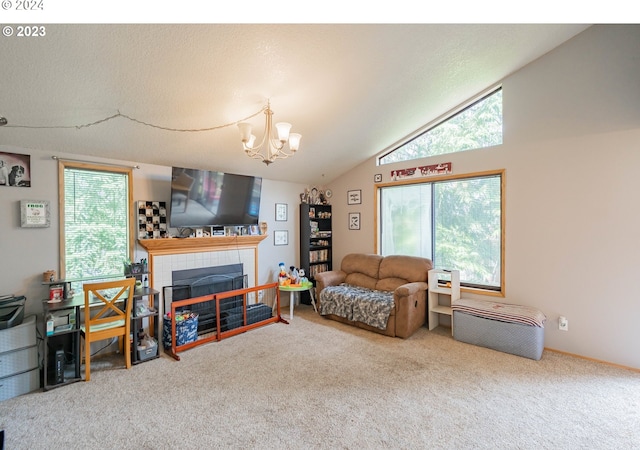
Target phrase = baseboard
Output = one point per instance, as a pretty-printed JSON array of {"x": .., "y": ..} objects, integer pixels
[{"x": 620, "y": 366}]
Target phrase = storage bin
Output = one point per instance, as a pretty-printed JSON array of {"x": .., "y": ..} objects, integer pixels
[
  {"x": 149, "y": 351},
  {"x": 186, "y": 330},
  {"x": 514, "y": 329}
]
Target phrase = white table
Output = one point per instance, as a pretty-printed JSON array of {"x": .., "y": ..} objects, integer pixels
[{"x": 295, "y": 290}]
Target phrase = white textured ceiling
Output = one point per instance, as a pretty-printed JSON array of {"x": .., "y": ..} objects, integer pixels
[{"x": 350, "y": 90}]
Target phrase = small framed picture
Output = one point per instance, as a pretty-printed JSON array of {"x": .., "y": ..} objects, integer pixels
[
  {"x": 354, "y": 221},
  {"x": 354, "y": 197},
  {"x": 253, "y": 230},
  {"x": 377, "y": 178},
  {"x": 34, "y": 214},
  {"x": 281, "y": 212},
  {"x": 280, "y": 237}
]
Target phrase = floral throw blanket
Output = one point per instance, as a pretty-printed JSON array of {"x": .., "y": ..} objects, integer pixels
[{"x": 358, "y": 304}]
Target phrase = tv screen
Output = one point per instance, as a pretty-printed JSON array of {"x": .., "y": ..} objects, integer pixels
[{"x": 202, "y": 198}]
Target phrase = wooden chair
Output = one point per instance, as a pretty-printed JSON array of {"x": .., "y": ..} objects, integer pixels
[{"x": 107, "y": 314}]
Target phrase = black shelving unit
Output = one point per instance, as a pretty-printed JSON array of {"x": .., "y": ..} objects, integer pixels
[
  {"x": 137, "y": 318},
  {"x": 315, "y": 239},
  {"x": 62, "y": 357}
]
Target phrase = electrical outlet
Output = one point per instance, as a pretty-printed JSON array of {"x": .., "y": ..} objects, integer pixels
[
  {"x": 563, "y": 324},
  {"x": 260, "y": 295}
]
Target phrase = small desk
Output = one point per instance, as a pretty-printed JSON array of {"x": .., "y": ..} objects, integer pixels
[
  {"x": 295, "y": 289},
  {"x": 68, "y": 339}
]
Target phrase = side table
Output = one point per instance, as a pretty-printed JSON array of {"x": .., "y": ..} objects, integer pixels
[{"x": 295, "y": 290}]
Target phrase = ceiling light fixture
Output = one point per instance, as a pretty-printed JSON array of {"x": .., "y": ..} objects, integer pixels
[{"x": 274, "y": 148}]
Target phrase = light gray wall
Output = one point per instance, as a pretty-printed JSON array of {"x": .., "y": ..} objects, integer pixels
[
  {"x": 27, "y": 252},
  {"x": 571, "y": 153}
]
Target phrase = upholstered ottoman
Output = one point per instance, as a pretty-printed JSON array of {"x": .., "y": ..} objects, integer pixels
[{"x": 514, "y": 329}]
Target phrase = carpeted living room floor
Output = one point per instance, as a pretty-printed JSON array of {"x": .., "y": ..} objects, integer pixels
[{"x": 316, "y": 383}]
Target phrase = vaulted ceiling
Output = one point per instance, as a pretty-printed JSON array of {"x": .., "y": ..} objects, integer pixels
[{"x": 350, "y": 90}]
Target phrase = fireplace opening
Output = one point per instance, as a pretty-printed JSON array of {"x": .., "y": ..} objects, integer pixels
[{"x": 203, "y": 281}]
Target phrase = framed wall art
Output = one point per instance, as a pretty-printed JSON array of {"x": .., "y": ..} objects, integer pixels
[
  {"x": 152, "y": 220},
  {"x": 34, "y": 214},
  {"x": 281, "y": 212},
  {"x": 354, "y": 197},
  {"x": 15, "y": 169},
  {"x": 280, "y": 237},
  {"x": 354, "y": 221}
]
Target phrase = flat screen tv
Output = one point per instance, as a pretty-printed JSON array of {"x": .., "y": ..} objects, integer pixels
[{"x": 204, "y": 198}]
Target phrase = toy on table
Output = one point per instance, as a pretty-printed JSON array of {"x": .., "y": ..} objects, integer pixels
[
  {"x": 293, "y": 274},
  {"x": 303, "y": 277},
  {"x": 283, "y": 276}
]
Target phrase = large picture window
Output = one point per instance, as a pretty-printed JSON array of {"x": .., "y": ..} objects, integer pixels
[
  {"x": 456, "y": 222},
  {"x": 95, "y": 220}
]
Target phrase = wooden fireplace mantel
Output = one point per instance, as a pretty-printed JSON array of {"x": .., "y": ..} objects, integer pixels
[{"x": 170, "y": 246}]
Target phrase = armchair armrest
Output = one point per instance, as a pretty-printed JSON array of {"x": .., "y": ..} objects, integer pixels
[
  {"x": 411, "y": 307},
  {"x": 409, "y": 289},
  {"x": 330, "y": 278}
]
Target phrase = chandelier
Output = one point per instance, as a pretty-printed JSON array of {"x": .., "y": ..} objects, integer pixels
[{"x": 270, "y": 147}]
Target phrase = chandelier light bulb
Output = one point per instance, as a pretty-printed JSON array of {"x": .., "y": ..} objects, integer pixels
[
  {"x": 269, "y": 148},
  {"x": 283, "y": 131},
  {"x": 294, "y": 141}
]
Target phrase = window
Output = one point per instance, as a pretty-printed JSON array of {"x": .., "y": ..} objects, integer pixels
[
  {"x": 95, "y": 220},
  {"x": 456, "y": 222},
  {"x": 478, "y": 125}
]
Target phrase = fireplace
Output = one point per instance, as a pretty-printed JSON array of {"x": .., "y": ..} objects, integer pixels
[
  {"x": 198, "y": 282},
  {"x": 170, "y": 255}
]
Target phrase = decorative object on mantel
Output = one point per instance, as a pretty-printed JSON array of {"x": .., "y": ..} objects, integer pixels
[
  {"x": 422, "y": 171},
  {"x": 263, "y": 228},
  {"x": 274, "y": 148},
  {"x": 35, "y": 214},
  {"x": 152, "y": 219}
]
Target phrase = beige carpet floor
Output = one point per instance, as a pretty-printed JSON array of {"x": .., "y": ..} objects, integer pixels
[{"x": 319, "y": 384}]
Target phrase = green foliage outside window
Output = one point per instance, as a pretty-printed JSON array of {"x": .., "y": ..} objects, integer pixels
[
  {"x": 455, "y": 222},
  {"x": 468, "y": 228},
  {"x": 477, "y": 126},
  {"x": 96, "y": 231}
]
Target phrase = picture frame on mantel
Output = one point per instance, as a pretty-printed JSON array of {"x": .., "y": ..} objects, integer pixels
[{"x": 281, "y": 212}]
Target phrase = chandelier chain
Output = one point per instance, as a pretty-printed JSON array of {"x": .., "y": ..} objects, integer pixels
[{"x": 138, "y": 121}]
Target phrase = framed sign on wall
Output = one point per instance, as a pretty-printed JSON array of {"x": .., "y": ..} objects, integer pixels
[{"x": 35, "y": 214}]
